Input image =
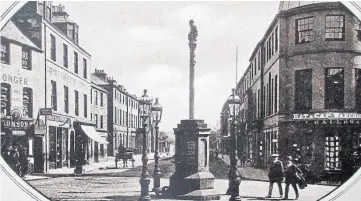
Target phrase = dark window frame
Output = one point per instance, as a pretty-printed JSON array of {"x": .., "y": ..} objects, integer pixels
[
  {"x": 306, "y": 31},
  {"x": 66, "y": 99},
  {"x": 85, "y": 69},
  {"x": 303, "y": 90},
  {"x": 26, "y": 61},
  {"x": 76, "y": 62},
  {"x": 101, "y": 99},
  {"x": 65, "y": 55},
  {"x": 30, "y": 107},
  {"x": 328, "y": 29},
  {"x": 358, "y": 90},
  {"x": 85, "y": 97},
  {"x": 52, "y": 47},
  {"x": 76, "y": 104},
  {"x": 6, "y": 98},
  {"x": 331, "y": 101},
  {"x": 5, "y": 55},
  {"x": 54, "y": 103}
]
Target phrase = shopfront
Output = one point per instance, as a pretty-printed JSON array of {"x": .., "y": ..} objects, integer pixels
[
  {"x": 327, "y": 141},
  {"x": 25, "y": 134}
]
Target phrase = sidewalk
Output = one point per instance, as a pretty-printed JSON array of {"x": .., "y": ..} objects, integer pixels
[
  {"x": 109, "y": 163},
  {"x": 247, "y": 172}
]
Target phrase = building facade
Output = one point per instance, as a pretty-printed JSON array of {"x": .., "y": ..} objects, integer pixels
[
  {"x": 99, "y": 116},
  {"x": 22, "y": 84},
  {"x": 123, "y": 117},
  {"x": 301, "y": 92}
]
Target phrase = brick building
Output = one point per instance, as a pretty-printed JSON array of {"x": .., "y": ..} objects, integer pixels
[{"x": 301, "y": 93}]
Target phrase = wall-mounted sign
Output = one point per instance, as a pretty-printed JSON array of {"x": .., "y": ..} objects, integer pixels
[
  {"x": 14, "y": 124},
  {"x": 334, "y": 122},
  {"x": 46, "y": 111},
  {"x": 57, "y": 118},
  {"x": 327, "y": 116}
]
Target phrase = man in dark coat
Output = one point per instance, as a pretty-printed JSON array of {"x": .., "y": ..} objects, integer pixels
[
  {"x": 275, "y": 175},
  {"x": 292, "y": 174}
]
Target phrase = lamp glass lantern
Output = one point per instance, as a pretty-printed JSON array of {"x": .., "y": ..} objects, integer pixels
[
  {"x": 234, "y": 104},
  {"x": 157, "y": 111},
  {"x": 145, "y": 105}
]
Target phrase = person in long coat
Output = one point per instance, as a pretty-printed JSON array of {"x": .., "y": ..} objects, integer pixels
[
  {"x": 292, "y": 173},
  {"x": 275, "y": 175}
]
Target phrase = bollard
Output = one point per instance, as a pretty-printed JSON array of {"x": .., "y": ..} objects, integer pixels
[{"x": 133, "y": 163}]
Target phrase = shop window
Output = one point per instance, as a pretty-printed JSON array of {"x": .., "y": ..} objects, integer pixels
[
  {"x": 358, "y": 90},
  {"x": 303, "y": 90},
  {"x": 332, "y": 149},
  {"x": 5, "y": 99},
  {"x": 27, "y": 102},
  {"x": 53, "y": 100},
  {"x": 334, "y": 90},
  {"x": 304, "y": 30},
  {"x": 52, "y": 48},
  {"x": 85, "y": 97},
  {"x": 85, "y": 69},
  {"x": 335, "y": 27},
  {"x": 5, "y": 51},
  {"x": 26, "y": 58},
  {"x": 76, "y": 70},
  {"x": 76, "y": 102},
  {"x": 66, "y": 99},
  {"x": 65, "y": 55}
]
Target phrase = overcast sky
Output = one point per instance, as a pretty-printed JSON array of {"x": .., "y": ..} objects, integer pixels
[{"x": 145, "y": 45}]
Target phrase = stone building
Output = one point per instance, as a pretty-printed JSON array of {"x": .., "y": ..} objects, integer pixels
[
  {"x": 123, "y": 118},
  {"x": 22, "y": 83},
  {"x": 99, "y": 116},
  {"x": 301, "y": 93}
]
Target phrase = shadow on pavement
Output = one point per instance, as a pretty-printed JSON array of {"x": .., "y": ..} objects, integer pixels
[{"x": 127, "y": 197}]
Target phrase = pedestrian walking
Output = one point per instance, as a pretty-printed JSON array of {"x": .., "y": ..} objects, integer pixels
[
  {"x": 23, "y": 160},
  {"x": 122, "y": 154},
  {"x": 217, "y": 152},
  {"x": 275, "y": 175},
  {"x": 14, "y": 158},
  {"x": 292, "y": 174}
]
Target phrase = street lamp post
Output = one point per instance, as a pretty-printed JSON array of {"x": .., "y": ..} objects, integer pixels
[
  {"x": 144, "y": 107},
  {"x": 233, "y": 176},
  {"x": 156, "y": 116}
]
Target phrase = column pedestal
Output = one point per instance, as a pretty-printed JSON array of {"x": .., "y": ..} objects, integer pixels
[{"x": 192, "y": 179}]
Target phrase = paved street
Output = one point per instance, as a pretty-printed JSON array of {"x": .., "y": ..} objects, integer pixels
[
  {"x": 123, "y": 185},
  {"x": 128, "y": 188}
]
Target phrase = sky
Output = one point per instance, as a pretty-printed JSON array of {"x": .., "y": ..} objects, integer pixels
[{"x": 144, "y": 45}]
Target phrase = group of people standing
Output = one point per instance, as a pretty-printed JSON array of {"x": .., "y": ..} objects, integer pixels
[
  {"x": 292, "y": 174},
  {"x": 17, "y": 158}
]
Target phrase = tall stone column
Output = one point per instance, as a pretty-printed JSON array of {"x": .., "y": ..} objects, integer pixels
[
  {"x": 192, "y": 38},
  {"x": 192, "y": 179}
]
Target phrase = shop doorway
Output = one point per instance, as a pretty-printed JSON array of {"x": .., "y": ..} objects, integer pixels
[
  {"x": 38, "y": 155},
  {"x": 72, "y": 149}
]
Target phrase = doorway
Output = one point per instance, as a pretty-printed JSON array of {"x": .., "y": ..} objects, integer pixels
[
  {"x": 96, "y": 151},
  {"x": 72, "y": 149},
  {"x": 38, "y": 155}
]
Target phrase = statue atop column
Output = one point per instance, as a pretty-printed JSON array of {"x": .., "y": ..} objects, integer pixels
[{"x": 193, "y": 34}]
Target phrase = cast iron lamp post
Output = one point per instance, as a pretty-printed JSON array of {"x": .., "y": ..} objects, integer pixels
[
  {"x": 156, "y": 117},
  {"x": 233, "y": 176},
  {"x": 144, "y": 108}
]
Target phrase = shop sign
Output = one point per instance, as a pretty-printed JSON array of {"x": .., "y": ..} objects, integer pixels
[
  {"x": 15, "y": 124},
  {"x": 57, "y": 118},
  {"x": 334, "y": 122},
  {"x": 46, "y": 111},
  {"x": 327, "y": 116}
]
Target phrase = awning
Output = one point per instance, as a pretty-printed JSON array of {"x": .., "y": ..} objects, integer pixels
[{"x": 92, "y": 134}]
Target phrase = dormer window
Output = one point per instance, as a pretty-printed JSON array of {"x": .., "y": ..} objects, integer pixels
[{"x": 73, "y": 32}]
